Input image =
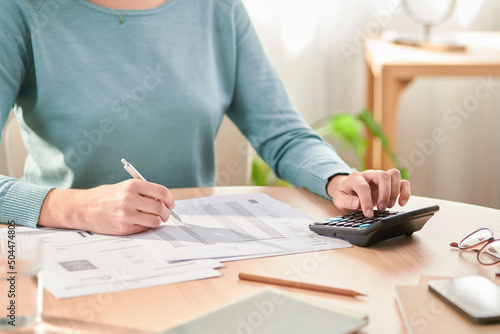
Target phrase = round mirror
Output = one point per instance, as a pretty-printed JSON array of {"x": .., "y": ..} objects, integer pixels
[{"x": 428, "y": 12}]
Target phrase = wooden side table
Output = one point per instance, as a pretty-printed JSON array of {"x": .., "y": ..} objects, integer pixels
[{"x": 391, "y": 67}]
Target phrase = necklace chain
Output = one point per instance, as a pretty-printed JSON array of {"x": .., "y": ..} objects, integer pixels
[{"x": 122, "y": 15}]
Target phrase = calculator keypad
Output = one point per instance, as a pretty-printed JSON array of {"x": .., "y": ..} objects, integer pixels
[
  {"x": 362, "y": 231},
  {"x": 356, "y": 219}
]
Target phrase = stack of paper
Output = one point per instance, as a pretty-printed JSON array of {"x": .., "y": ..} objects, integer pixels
[
  {"x": 214, "y": 229},
  {"x": 77, "y": 263},
  {"x": 234, "y": 227}
]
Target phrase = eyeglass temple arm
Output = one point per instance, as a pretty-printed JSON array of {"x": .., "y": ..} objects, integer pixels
[{"x": 454, "y": 244}]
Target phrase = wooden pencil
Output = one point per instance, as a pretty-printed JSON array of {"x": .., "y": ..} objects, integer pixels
[{"x": 299, "y": 285}]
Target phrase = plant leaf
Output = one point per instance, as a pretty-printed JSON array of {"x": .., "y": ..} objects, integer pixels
[
  {"x": 347, "y": 129},
  {"x": 263, "y": 175},
  {"x": 367, "y": 118}
]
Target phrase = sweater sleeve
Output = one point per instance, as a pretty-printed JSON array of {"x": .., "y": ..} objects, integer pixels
[
  {"x": 20, "y": 201},
  {"x": 263, "y": 111}
]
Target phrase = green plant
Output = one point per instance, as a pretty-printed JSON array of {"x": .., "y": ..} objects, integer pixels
[
  {"x": 262, "y": 174},
  {"x": 349, "y": 131}
]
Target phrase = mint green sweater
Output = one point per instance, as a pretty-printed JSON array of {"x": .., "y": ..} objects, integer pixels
[{"x": 152, "y": 90}]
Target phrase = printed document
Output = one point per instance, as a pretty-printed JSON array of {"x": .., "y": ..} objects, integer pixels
[
  {"x": 77, "y": 263},
  {"x": 234, "y": 226},
  {"x": 214, "y": 229}
]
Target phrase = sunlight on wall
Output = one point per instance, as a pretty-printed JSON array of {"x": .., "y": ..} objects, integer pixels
[
  {"x": 467, "y": 10},
  {"x": 265, "y": 10},
  {"x": 298, "y": 20}
]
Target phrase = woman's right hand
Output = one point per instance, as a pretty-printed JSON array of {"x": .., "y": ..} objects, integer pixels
[{"x": 124, "y": 208}]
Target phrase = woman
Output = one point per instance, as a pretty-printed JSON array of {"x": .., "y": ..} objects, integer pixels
[{"x": 149, "y": 80}]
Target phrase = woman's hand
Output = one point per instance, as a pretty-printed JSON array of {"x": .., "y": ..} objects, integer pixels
[
  {"x": 124, "y": 208},
  {"x": 369, "y": 188}
]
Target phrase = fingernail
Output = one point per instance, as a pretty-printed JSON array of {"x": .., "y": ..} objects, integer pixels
[
  {"x": 369, "y": 213},
  {"x": 382, "y": 206},
  {"x": 403, "y": 202},
  {"x": 391, "y": 203}
]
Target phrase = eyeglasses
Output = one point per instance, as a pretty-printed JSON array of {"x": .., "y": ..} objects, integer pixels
[{"x": 489, "y": 253}]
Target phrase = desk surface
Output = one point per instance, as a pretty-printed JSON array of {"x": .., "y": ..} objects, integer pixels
[{"x": 374, "y": 271}]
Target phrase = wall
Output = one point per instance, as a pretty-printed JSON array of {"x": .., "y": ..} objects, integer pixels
[{"x": 316, "y": 46}]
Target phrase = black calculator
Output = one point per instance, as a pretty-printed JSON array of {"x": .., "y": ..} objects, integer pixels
[{"x": 362, "y": 231}]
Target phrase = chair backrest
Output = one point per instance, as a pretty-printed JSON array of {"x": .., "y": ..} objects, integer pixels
[
  {"x": 233, "y": 154},
  {"x": 14, "y": 150}
]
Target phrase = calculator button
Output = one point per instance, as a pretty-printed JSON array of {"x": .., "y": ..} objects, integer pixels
[
  {"x": 321, "y": 223},
  {"x": 364, "y": 225},
  {"x": 334, "y": 219}
]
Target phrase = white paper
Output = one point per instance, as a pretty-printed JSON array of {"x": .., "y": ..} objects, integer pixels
[
  {"x": 78, "y": 262},
  {"x": 79, "y": 258},
  {"x": 234, "y": 227},
  {"x": 58, "y": 292},
  {"x": 214, "y": 229}
]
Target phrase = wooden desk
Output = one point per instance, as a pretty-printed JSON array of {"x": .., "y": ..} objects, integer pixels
[
  {"x": 391, "y": 67},
  {"x": 374, "y": 271}
]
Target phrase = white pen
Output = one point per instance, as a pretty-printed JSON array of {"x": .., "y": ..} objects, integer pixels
[{"x": 136, "y": 175}]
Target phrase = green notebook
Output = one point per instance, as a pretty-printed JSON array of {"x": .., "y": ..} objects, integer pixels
[{"x": 272, "y": 311}]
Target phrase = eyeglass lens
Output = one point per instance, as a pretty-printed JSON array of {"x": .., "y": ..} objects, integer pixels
[
  {"x": 476, "y": 238},
  {"x": 490, "y": 254}
]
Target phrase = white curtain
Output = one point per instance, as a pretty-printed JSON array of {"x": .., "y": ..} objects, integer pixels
[{"x": 314, "y": 46}]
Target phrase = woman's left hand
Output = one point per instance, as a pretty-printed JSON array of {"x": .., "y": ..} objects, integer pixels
[{"x": 364, "y": 190}]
